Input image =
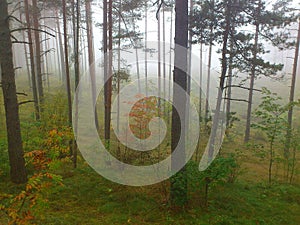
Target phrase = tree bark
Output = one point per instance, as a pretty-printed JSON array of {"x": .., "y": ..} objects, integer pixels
[
  {"x": 292, "y": 96},
  {"x": 37, "y": 42},
  {"x": 217, "y": 115},
  {"x": 252, "y": 79},
  {"x": 67, "y": 63},
  {"x": 32, "y": 63},
  {"x": 61, "y": 50},
  {"x": 209, "y": 69},
  {"x": 91, "y": 55},
  {"x": 178, "y": 195},
  {"x": 15, "y": 149}
]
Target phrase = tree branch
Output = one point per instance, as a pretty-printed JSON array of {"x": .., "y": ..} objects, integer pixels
[
  {"x": 22, "y": 93},
  {"x": 29, "y": 28},
  {"x": 237, "y": 100},
  {"x": 238, "y": 86},
  {"x": 25, "y": 102}
]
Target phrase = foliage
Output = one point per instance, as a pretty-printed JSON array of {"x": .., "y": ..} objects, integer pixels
[
  {"x": 20, "y": 207},
  {"x": 223, "y": 170},
  {"x": 271, "y": 121},
  {"x": 58, "y": 142}
]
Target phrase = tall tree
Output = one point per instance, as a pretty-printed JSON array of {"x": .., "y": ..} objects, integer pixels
[
  {"x": 253, "y": 72},
  {"x": 15, "y": 148},
  {"x": 292, "y": 95},
  {"x": 91, "y": 54},
  {"x": 267, "y": 22},
  {"x": 178, "y": 193},
  {"x": 37, "y": 41},
  {"x": 67, "y": 69},
  {"x": 32, "y": 61}
]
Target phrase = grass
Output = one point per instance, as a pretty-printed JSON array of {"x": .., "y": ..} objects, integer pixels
[{"x": 87, "y": 198}]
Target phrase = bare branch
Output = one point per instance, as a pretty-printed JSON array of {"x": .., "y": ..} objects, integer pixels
[
  {"x": 29, "y": 28},
  {"x": 238, "y": 86},
  {"x": 22, "y": 93},
  {"x": 21, "y": 42},
  {"x": 25, "y": 102},
  {"x": 236, "y": 100}
]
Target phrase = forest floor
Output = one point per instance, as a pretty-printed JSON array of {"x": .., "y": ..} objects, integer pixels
[
  {"x": 84, "y": 197},
  {"x": 87, "y": 198}
]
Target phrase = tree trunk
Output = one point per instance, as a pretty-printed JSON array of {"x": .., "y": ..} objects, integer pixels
[
  {"x": 292, "y": 96},
  {"x": 164, "y": 55},
  {"x": 209, "y": 70},
  {"x": 61, "y": 50},
  {"x": 118, "y": 79},
  {"x": 217, "y": 115},
  {"x": 159, "y": 55},
  {"x": 178, "y": 190},
  {"x": 252, "y": 79},
  {"x": 229, "y": 84},
  {"x": 76, "y": 32},
  {"x": 91, "y": 56},
  {"x": 32, "y": 63},
  {"x": 67, "y": 63},
  {"x": 15, "y": 148},
  {"x": 108, "y": 83},
  {"x": 146, "y": 47},
  {"x": 26, "y": 55},
  {"x": 38, "y": 61}
]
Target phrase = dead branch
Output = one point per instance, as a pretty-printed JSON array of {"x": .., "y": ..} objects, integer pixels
[
  {"x": 25, "y": 102},
  {"x": 236, "y": 100}
]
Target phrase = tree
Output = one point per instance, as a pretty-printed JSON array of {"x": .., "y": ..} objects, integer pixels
[
  {"x": 32, "y": 62},
  {"x": 37, "y": 41},
  {"x": 67, "y": 69},
  {"x": 266, "y": 23},
  {"x": 178, "y": 193},
  {"x": 15, "y": 148},
  {"x": 91, "y": 55},
  {"x": 292, "y": 96},
  {"x": 272, "y": 123}
]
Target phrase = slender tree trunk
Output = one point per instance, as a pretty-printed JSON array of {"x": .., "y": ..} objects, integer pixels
[
  {"x": 76, "y": 32},
  {"x": 292, "y": 96},
  {"x": 159, "y": 55},
  {"x": 15, "y": 149},
  {"x": 68, "y": 83},
  {"x": 200, "y": 98},
  {"x": 190, "y": 44},
  {"x": 146, "y": 47},
  {"x": 252, "y": 80},
  {"x": 91, "y": 56},
  {"x": 26, "y": 55},
  {"x": 209, "y": 70},
  {"x": 178, "y": 190},
  {"x": 61, "y": 49},
  {"x": 38, "y": 61},
  {"x": 46, "y": 62},
  {"x": 170, "y": 57},
  {"x": 118, "y": 79},
  {"x": 217, "y": 115},
  {"x": 108, "y": 84},
  {"x": 229, "y": 84},
  {"x": 32, "y": 63},
  {"x": 164, "y": 55},
  {"x": 105, "y": 47},
  {"x": 208, "y": 82}
]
